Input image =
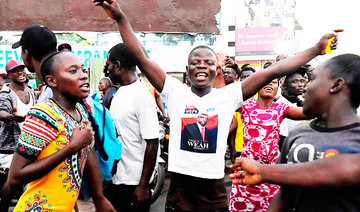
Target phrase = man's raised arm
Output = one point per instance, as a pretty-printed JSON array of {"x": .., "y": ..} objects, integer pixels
[
  {"x": 261, "y": 78},
  {"x": 152, "y": 70}
]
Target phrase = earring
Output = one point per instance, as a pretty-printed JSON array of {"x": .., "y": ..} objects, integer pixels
[{"x": 331, "y": 90}]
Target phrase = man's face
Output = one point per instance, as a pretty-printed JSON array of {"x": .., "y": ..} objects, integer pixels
[
  {"x": 229, "y": 75},
  {"x": 295, "y": 84},
  {"x": 18, "y": 75},
  {"x": 103, "y": 85},
  {"x": 203, "y": 119},
  {"x": 28, "y": 63},
  {"x": 245, "y": 74},
  {"x": 317, "y": 92},
  {"x": 202, "y": 68},
  {"x": 110, "y": 71}
]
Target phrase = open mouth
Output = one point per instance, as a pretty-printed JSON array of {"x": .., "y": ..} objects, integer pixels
[
  {"x": 21, "y": 77},
  {"x": 85, "y": 86},
  {"x": 201, "y": 76},
  {"x": 268, "y": 89}
]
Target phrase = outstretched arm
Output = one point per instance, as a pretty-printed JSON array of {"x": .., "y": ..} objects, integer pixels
[
  {"x": 337, "y": 171},
  {"x": 296, "y": 113},
  {"x": 261, "y": 78},
  {"x": 152, "y": 70}
]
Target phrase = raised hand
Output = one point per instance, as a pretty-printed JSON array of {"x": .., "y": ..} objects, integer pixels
[
  {"x": 324, "y": 40},
  {"x": 247, "y": 171},
  {"x": 228, "y": 61},
  {"x": 114, "y": 12},
  {"x": 81, "y": 137}
]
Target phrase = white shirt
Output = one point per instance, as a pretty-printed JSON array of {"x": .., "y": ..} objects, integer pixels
[
  {"x": 23, "y": 108},
  {"x": 192, "y": 156},
  {"x": 134, "y": 112},
  {"x": 45, "y": 94},
  {"x": 287, "y": 124}
]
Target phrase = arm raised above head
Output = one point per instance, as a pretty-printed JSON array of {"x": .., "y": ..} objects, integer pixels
[
  {"x": 151, "y": 69},
  {"x": 260, "y": 78}
]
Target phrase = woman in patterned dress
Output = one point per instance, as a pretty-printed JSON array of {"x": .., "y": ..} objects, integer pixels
[
  {"x": 56, "y": 144},
  {"x": 261, "y": 122}
]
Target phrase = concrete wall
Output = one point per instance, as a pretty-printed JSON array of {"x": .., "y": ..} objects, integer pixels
[{"x": 82, "y": 15}]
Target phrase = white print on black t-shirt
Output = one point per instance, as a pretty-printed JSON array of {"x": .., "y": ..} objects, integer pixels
[{"x": 307, "y": 152}]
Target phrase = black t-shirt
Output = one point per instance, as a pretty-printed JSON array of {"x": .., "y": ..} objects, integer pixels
[{"x": 309, "y": 142}]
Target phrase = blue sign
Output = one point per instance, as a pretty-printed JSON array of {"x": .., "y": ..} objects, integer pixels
[{"x": 85, "y": 53}]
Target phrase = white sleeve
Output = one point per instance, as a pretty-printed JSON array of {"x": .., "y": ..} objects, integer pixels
[
  {"x": 235, "y": 91},
  {"x": 45, "y": 95},
  {"x": 147, "y": 116},
  {"x": 170, "y": 84}
]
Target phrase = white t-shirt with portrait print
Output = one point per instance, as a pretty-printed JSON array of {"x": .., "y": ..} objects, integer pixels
[{"x": 191, "y": 155}]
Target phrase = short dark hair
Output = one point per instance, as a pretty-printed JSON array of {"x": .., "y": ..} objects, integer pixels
[
  {"x": 347, "y": 66},
  {"x": 300, "y": 71},
  {"x": 307, "y": 66},
  {"x": 247, "y": 68},
  {"x": 201, "y": 47},
  {"x": 120, "y": 53},
  {"x": 245, "y": 65},
  {"x": 47, "y": 64},
  {"x": 234, "y": 68},
  {"x": 108, "y": 81},
  {"x": 267, "y": 64}
]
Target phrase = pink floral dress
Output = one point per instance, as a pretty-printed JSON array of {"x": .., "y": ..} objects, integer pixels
[{"x": 261, "y": 135}]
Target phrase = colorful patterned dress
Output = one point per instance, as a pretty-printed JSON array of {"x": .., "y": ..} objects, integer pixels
[
  {"x": 46, "y": 130},
  {"x": 261, "y": 135}
]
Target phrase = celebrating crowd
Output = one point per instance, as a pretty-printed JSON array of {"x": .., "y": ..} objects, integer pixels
[{"x": 52, "y": 144}]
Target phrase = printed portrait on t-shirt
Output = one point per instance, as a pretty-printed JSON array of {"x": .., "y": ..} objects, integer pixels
[{"x": 199, "y": 133}]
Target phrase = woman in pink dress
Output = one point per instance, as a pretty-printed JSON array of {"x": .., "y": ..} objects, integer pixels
[{"x": 261, "y": 122}]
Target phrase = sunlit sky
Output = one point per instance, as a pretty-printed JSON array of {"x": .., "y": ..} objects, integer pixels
[{"x": 320, "y": 16}]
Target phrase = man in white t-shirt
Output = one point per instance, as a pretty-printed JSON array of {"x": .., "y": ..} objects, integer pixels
[
  {"x": 292, "y": 87},
  {"x": 134, "y": 112},
  {"x": 197, "y": 178},
  {"x": 16, "y": 99}
]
